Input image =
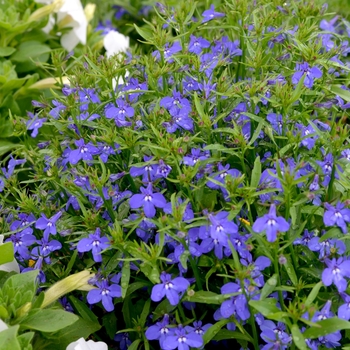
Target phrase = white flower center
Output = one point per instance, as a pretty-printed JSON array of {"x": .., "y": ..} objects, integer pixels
[{"x": 271, "y": 222}]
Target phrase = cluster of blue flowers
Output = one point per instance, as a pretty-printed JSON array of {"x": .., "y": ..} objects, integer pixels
[{"x": 198, "y": 172}]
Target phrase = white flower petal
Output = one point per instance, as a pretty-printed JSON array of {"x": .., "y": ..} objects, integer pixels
[
  {"x": 115, "y": 42},
  {"x": 82, "y": 344}
]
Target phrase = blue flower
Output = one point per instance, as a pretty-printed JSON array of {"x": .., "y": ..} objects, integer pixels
[
  {"x": 148, "y": 200},
  {"x": 271, "y": 224},
  {"x": 95, "y": 243},
  {"x": 210, "y": 14},
  {"x": 48, "y": 225},
  {"x": 337, "y": 215},
  {"x": 105, "y": 293},
  {"x": 310, "y": 74},
  {"x": 335, "y": 272},
  {"x": 275, "y": 337},
  {"x": 182, "y": 340},
  {"x": 160, "y": 331},
  {"x": 169, "y": 288}
]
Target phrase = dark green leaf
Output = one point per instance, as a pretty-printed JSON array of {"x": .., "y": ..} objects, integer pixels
[
  {"x": 30, "y": 49},
  {"x": 109, "y": 322},
  {"x": 6, "y": 51},
  {"x": 266, "y": 307},
  {"x": 213, "y": 330},
  {"x": 226, "y": 334},
  {"x": 205, "y": 297},
  {"x": 269, "y": 287},
  {"x": 82, "y": 309}
]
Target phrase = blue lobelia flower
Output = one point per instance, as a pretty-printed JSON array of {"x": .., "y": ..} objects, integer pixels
[
  {"x": 221, "y": 228},
  {"x": 48, "y": 225},
  {"x": 34, "y": 124},
  {"x": 271, "y": 224},
  {"x": 95, "y": 243},
  {"x": 148, "y": 200},
  {"x": 197, "y": 44},
  {"x": 275, "y": 336},
  {"x": 172, "y": 289},
  {"x": 337, "y": 215},
  {"x": 160, "y": 331},
  {"x": 344, "y": 310},
  {"x": 210, "y": 14},
  {"x": 310, "y": 74},
  {"x": 105, "y": 293},
  {"x": 335, "y": 272},
  {"x": 84, "y": 151},
  {"x": 183, "y": 340}
]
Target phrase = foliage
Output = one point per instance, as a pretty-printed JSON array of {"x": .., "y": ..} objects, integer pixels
[{"x": 206, "y": 183}]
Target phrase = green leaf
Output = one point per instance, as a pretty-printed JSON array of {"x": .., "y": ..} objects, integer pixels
[
  {"x": 30, "y": 50},
  {"x": 290, "y": 270},
  {"x": 8, "y": 339},
  {"x": 25, "y": 339},
  {"x": 6, "y": 146},
  {"x": 24, "y": 282},
  {"x": 213, "y": 330},
  {"x": 145, "y": 312},
  {"x": 82, "y": 309},
  {"x": 163, "y": 308},
  {"x": 125, "y": 278},
  {"x": 344, "y": 94},
  {"x": 6, "y": 253},
  {"x": 134, "y": 345},
  {"x": 266, "y": 307},
  {"x": 47, "y": 320},
  {"x": 61, "y": 339},
  {"x": 269, "y": 287},
  {"x": 145, "y": 34},
  {"x": 327, "y": 326},
  {"x": 6, "y": 51},
  {"x": 205, "y": 297},
  {"x": 109, "y": 322},
  {"x": 313, "y": 294},
  {"x": 298, "y": 337},
  {"x": 226, "y": 334},
  {"x": 256, "y": 173}
]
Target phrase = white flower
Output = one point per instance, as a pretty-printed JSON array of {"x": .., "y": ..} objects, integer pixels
[
  {"x": 115, "y": 42},
  {"x": 82, "y": 344},
  {"x": 71, "y": 15},
  {"x": 3, "y": 325},
  {"x": 11, "y": 266}
]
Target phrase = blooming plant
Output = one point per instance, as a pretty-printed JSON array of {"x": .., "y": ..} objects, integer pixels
[{"x": 205, "y": 184}]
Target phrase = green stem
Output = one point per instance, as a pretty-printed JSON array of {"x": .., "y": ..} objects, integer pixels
[
  {"x": 276, "y": 267},
  {"x": 255, "y": 333}
]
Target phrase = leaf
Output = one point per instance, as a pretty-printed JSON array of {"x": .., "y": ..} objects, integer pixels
[
  {"x": 227, "y": 334},
  {"x": 205, "y": 297},
  {"x": 6, "y": 146},
  {"x": 290, "y": 270},
  {"x": 266, "y": 307},
  {"x": 145, "y": 34},
  {"x": 24, "y": 282},
  {"x": 6, "y": 51},
  {"x": 313, "y": 294},
  {"x": 298, "y": 337},
  {"x": 269, "y": 287},
  {"x": 125, "y": 277},
  {"x": 61, "y": 339},
  {"x": 29, "y": 50},
  {"x": 82, "y": 309},
  {"x": 6, "y": 253},
  {"x": 109, "y": 322},
  {"x": 49, "y": 320},
  {"x": 344, "y": 94},
  {"x": 8, "y": 339},
  {"x": 25, "y": 340},
  {"x": 134, "y": 345},
  {"x": 327, "y": 326},
  {"x": 256, "y": 173},
  {"x": 213, "y": 330}
]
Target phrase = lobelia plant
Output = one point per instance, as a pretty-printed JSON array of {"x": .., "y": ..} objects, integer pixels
[{"x": 205, "y": 183}]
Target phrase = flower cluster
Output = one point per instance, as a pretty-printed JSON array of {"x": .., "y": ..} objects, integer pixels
[{"x": 209, "y": 185}]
